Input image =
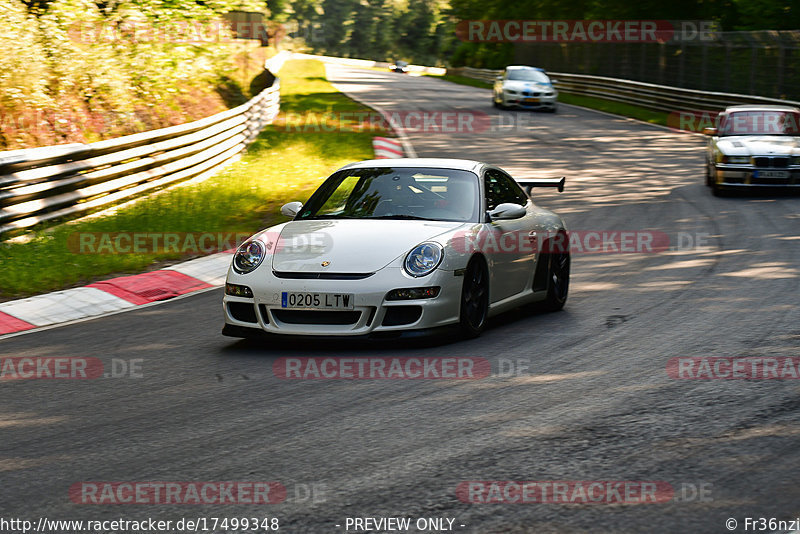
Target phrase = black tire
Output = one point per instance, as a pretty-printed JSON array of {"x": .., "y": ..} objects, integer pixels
[
  {"x": 558, "y": 266},
  {"x": 474, "y": 309},
  {"x": 711, "y": 181},
  {"x": 717, "y": 191}
]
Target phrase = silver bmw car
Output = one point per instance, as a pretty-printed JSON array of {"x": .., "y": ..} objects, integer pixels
[{"x": 525, "y": 87}]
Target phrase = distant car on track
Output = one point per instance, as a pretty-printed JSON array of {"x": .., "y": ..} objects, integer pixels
[
  {"x": 395, "y": 245},
  {"x": 399, "y": 66},
  {"x": 754, "y": 146},
  {"x": 525, "y": 87}
]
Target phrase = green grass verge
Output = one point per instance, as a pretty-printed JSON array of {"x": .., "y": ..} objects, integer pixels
[
  {"x": 617, "y": 108},
  {"x": 278, "y": 167},
  {"x": 609, "y": 106}
]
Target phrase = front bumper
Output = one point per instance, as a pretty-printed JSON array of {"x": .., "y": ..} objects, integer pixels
[
  {"x": 371, "y": 313},
  {"x": 530, "y": 102},
  {"x": 748, "y": 176}
]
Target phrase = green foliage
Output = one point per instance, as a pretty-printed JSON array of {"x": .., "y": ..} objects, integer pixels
[
  {"x": 22, "y": 61},
  {"x": 76, "y": 65},
  {"x": 423, "y": 31},
  {"x": 132, "y": 62}
]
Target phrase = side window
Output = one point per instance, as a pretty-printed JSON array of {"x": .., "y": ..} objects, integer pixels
[{"x": 501, "y": 188}]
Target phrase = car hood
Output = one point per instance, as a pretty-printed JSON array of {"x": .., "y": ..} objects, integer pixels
[
  {"x": 516, "y": 85},
  {"x": 762, "y": 145},
  {"x": 350, "y": 246}
]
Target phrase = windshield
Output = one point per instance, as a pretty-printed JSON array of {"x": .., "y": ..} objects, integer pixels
[
  {"x": 396, "y": 193},
  {"x": 765, "y": 122},
  {"x": 527, "y": 75}
]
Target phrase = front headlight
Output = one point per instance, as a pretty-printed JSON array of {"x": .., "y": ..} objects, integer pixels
[
  {"x": 423, "y": 259},
  {"x": 248, "y": 256},
  {"x": 510, "y": 92},
  {"x": 736, "y": 159}
]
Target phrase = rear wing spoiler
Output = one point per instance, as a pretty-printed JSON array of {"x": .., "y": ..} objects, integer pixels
[{"x": 530, "y": 183}]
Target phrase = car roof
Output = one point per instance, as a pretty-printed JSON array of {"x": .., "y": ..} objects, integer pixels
[
  {"x": 523, "y": 67},
  {"x": 761, "y": 107},
  {"x": 430, "y": 163}
]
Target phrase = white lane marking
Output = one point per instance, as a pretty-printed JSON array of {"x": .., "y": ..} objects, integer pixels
[
  {"x": 107, "y": 314},
  {"x": 67, "y": 305},
  {"x": 209, "y": 269}
]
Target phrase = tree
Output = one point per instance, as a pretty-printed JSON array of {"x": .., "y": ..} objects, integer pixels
[{"x": 336, "y": 14}]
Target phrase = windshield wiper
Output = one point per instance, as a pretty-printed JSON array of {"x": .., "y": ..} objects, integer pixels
[
  {"x": 323, "y": 217},
  {"x": 409, "y": 217}
]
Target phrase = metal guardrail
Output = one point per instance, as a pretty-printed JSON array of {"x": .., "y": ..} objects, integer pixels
[
  {"x": 700, "y": 57},
  {"x": 646, "y": 95},
  {"x": 485, "y": 75},
  {"x": 42, "y": 184},
  {"x": 369, "y": 63}
]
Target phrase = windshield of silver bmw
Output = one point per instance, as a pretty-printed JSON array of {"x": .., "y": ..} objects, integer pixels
[
  {"x": 525, "y": 75},
  {"x": 396, "y": 193},
  {"x": 766, "y": 122}
]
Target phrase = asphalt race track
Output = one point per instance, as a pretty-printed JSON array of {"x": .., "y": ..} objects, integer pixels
[{"x": 579, "y": 395}]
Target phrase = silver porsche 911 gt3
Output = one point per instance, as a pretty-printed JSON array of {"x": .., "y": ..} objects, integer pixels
[{"x": 396, "y": 245}]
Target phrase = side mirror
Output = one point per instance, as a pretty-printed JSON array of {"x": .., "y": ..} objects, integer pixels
[
  {"x": 553, "y": 82},
  {"x": 710, "y": 131},
  {"x": 499, "y": 78},
  {"x": 291, "y": 209},
  {"x": 507, "y": 211}
]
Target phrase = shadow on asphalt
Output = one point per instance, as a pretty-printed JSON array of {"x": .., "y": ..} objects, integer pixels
[{"x": 279, "y": 346}]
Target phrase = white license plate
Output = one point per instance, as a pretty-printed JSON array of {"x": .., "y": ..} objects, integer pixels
[
  {"x": 770, "y": 174},
  {"x": 318, "y": 301}
]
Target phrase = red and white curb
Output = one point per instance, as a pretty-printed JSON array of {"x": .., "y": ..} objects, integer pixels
[
  {"x": 114, "y": 295},
  {"x": 386, "y": 147}
]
